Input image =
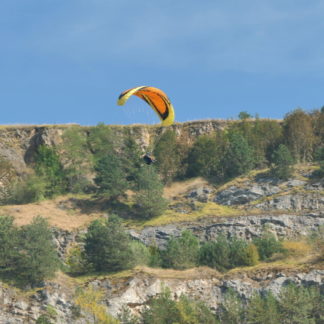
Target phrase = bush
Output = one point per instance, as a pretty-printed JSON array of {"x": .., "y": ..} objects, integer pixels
[
  {"x": 283, "y": 161},
  {"x": 37, "y": 258},
  {"x": 224, "y": 254},
  {"x": 164, "y": 310},
  {"x": 182, "y": 252},
  {"x": 140, "y": 253},
  {"x": 107, "y": 245},
  {"x": 263, "y": 309},
  {"x": 8, "y": 244},
  {"x": 49, "y": 168},
  {"x": 215, "y": 254},
  {"x": 267, "y": 245},
  {"x": 75, "y": 260},
  {"x": 110, "y": 177},
  {"x": 300, "y": 305},
  {"x": 149, "y": 201}
]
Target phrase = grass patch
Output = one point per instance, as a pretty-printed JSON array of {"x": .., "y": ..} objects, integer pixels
[{"x": 204, "y": 210}]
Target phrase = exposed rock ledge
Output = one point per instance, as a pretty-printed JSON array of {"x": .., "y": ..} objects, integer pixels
[
  {"x": 285, "y": 225},
  {"x": 135, "y": 291}
]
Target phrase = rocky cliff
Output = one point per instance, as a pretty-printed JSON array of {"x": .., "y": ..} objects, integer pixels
[{"x": 289, "y": 209}]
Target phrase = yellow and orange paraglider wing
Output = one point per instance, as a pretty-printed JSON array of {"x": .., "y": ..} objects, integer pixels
[{"x": 156, "y": 98}]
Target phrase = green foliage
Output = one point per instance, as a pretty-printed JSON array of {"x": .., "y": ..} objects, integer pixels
[
  {"x": 224, "y": 254},
  {"x": 244, "y": 115},
  {"x": 140, "y": 253},
  {"x": 110, "y": 177},
  {"x": 283, "y": 162},
  {"x": 299, "y": 135},
  {"x": 182, "y": 252},
  {"x": 101, "y": 140},
  {"x": 263, "y": 309},
  {"x": 49, "y": 168},
  {"x": 231, "y": 311},
  {"x": 164, "y": 310},
  {"x": 44, "y": 319},
  {"x": 205, "y": 157},
  {"x": 238, "y": 156},
  {"x": 267, "y": 245},
  {"x": 149, "y": 199},
  {"x": 107, "y": 245},
  {"x": 37, "y": 257},
  {"x": 8, "y": 243},
  {"x": 132, "y": 161},
  {"x": 215, "y": 254},
  {"x": 75, "y": 260},
  {"x": 155, "y": 260},
  {"x": 300, "y": 305},
  {"x": 33, "y": 189},
  {"x": 77, "y": 157},
  {"x": 168, "y": 154}
]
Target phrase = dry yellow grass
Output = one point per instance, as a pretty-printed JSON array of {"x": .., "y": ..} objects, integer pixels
[
  {"x": 182, "y": 187},
  {"x": 69, "y": 217}
]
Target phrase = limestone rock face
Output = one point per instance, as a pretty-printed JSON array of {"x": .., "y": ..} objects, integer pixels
[{"x": 247, "y": 227}]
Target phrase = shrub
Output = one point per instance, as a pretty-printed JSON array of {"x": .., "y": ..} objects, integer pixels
[
  {"x": 107, "y": 245},
  {"x": 37, "y": 258},
  {"x": 182, "y": 252},
  {"x": 267, "y": 245},
  {"x": 283, "y": 161},
  {"x": 140, "y": 253},
  {"x": 215, "y": 254},
  {"x": 8, "y": 244},
  {"x": 110, "y": 177},
  {"x": 149, "y": 201},
  {"x": 263, "y": 309},
  {"x": 300, "y": 305},
  {"x": 75, "y": 260},
  {"x": 49, "y": 167},
  {"x": 224, "y": 254}
]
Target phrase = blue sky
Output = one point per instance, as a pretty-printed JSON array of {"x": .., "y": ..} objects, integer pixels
[{"x": 65, "y": 61}]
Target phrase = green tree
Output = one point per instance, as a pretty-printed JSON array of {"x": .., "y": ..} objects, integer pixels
[
  {"x": 263, "y": 310},
  {"x": 110, "y": 177},
  {"x": 182, "y": 252},
  {"x": 132, "y": 161},
  {"x": 238, "y": 157},
  {"x": 216, "y": 254},
  {"x": 101, "y": 140},
  {"x": 162, "y": 310},
  {"x": 299, "y": 135},
  {"x": 149, "y": 201},
  {"x": 232, "y": 310},
  {"x": 107, "y": 245},
  {"x": 37, "y": 258},
  {"x": 283, "y": 162},
  {"x": 78, "y": 161},
  {"x": 205, "y": 157},
  {"x": 296, "y": 305},
  {"x": 49, "y": 168},
  {"x": 244, "y": 115},
  {"x": 8, "y": 243},
  {"x": 267, "y": 245},
  {"x": 167, "y": 153}
]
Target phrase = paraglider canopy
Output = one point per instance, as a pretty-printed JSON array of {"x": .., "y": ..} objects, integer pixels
[{"x": 156, "y": 98}]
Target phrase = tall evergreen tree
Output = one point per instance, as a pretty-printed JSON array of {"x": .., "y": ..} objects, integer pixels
[
  {"x": 149, "y": 196},
  {"x": 299, "y": 135},
  {"x": 238, "y": 157},
  {"x": 283, "y": 161},
  {"x": 110, "y": 176},
  {"x": 107, "y": 245},
  {"x": 37, "y": 258}
]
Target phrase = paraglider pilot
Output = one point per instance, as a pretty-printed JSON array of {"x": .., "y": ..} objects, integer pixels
[{"x": 148, "y": 159}]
